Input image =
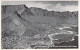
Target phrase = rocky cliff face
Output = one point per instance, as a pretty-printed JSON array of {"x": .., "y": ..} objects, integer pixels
[{"x": 44, "y": 12}]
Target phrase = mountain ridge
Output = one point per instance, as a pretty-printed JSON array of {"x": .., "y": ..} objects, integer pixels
[
  {"x": 24, "y": 10},
  {"x": 45, "y": 12}
]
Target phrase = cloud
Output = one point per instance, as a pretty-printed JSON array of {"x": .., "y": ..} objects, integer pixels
[
  {"x": 39, "y": 5},
  {"x": 60, "y": 7},
  {"x": 49, "y": 6}
]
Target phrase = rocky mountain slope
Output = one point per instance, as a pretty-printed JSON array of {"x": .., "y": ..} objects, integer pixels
[
  {"x": 44, "y": 12},
  {"x": 23, "y": 26}
]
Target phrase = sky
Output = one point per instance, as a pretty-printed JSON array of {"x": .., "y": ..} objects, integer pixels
[{"x": 49, "y": 5}]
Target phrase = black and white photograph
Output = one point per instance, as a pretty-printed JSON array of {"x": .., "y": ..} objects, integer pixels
[{"x": 39, "y": 24}]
